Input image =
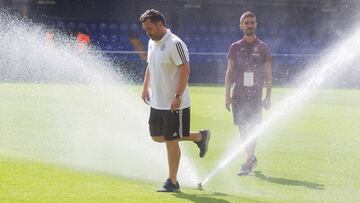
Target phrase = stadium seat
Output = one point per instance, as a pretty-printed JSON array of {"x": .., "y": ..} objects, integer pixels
[
  {"x": 93, "y": 27},
  {"x": 135, "y": 28},
  {"x": 114, "y": 38},
  {"x": 144, "y": 38},
  {"x": 203, "y": 29},
  {"x": 223, "y": 30},
  {"x": 82, "y": 26},
  {"x": 103, "y": 40},
  {"x": 207, "y": 44},
  {"x": 194, "y": 29},
  {"x": 196, "y": 39},
  {"x": 109, "y": 47},
  {"x": 124, "y": 27},
  {"x": 71, "y": 26},
  {"x": 127, "y": 46},
  {"x": 123, "y": 38},
  {"x": 103, "y": 28},
  {"x": 113, "y": 28},
  {"x": 187, "y": 39},
  {"x": 61, "y": 25},
  {"x": 213, "y": 29},
  {"x": 93, "y": 37}
]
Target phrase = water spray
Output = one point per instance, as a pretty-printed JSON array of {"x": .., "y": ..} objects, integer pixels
[{"x": 89, "y": 118}]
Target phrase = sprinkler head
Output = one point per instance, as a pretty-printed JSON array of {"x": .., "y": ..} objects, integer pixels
[{"x": 200, "y": 186}]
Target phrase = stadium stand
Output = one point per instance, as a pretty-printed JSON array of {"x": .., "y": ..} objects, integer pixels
[{"x": 289, "y": 27}]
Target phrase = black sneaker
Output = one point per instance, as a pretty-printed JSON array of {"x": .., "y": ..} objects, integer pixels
[
  {"x": 248, "y": 166},
  {"x": 204, "y": 142},
  {"x": 244, "y": 170},
  {"x": 169, "y": 187},
  {"x": 253, "y": 163}
]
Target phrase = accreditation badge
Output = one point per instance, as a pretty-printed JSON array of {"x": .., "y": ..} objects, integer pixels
[{"x": 248, "y": 79}]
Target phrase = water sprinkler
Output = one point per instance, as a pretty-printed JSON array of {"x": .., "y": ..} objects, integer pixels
[{"x": 199, "y": 186}]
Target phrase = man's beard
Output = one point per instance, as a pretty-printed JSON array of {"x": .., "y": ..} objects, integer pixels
[
  {"x": 249, "y": 32},
  {"x": 154, "y": 37}
]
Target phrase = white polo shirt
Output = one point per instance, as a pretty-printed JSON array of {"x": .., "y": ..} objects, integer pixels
[{"x": 163, "y": 58}]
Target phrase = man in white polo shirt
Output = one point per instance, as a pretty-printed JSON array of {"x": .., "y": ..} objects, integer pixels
[{"x": 167, "y": 75}]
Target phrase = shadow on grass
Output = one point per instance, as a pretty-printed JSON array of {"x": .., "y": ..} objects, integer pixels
[
  {"x": 214, "y": 197},
  {"x": 284, "y": 181}
]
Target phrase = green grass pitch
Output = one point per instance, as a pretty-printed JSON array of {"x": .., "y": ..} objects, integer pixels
[{"x": 310, "y": 156}]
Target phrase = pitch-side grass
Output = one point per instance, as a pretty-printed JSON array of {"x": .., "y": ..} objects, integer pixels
[{"x": 309, "y": 156}]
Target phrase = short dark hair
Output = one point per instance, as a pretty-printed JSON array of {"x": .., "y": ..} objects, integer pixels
[
  {"x": 247, "y": 14},
  {"x": 153, "y": 15}
]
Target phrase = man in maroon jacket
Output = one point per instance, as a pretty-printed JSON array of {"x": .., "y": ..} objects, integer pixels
[{"x": 248, "y": 70}]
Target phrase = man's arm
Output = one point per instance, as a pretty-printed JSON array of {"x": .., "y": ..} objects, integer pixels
[
  {"x": 268, "y": 85},
  {"x": 184, "y": 70},
  {"x": 145, "y": 93},
  {"x": 229, "y": 83},
  {"x": 184, "y": 77}
]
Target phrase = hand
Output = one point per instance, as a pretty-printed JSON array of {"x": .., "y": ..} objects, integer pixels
[
  {"x": 175, "y": 104},
  {"x": 266, "y": 103},
  {"x": 146, "y": 96},
  {"x": 228, "y": 102}
]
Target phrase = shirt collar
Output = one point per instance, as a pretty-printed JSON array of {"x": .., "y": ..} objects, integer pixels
[
  {"x": 165, "y": 37},
  {"x": 252, "y": 43}
]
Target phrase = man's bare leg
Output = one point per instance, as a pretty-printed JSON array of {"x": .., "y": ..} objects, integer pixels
[
  {"x": 195, "y": 137},
  {"x": 173, "y": 153}
]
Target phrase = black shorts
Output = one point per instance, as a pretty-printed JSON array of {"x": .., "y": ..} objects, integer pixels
[
  {"x": 171, "y": 125},
  {"x": 247, "y": 110}
]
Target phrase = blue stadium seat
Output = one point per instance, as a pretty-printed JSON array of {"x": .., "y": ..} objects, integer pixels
[
  {"x": 71, "y": 26},
  {"x": 114, "y": 38},
  {"x": 292, "y": 31},
  {"x": 93, "y": 36},
  {"x": 123, "y": 38},
  {"x": 203, "y": 29},
  {"x": 103, "y": 40},
  {"x": 194, "y": 29},
  {"x": 82, "y": 26},
  {"x": 60, "y": 25},
  {"x": 206, "y": 44},
  {"x": 93, "y": 27},
  {"x": 272, "y": 31},
  {"x": 187, "y": 40},
  {"x": 233, "y": 30},
  {"x": 135, "y": 28},
  {"x": 145, "y": 39},
  {"x": 223, "y": 30},
  {"x": 261, "y": 30},
  {"x": 124, "y": 46},
  {"x": 113, "y": 28},
  {"x": 234, "y": 38},
  {"x": 103, "y": 28},
  {"x": 196, "y": 39},
  {"x": 108, "y": 47},
  {"x": 124, "y": 27},
  {"x": 120, "y": 47},
  {"x": 213, "y": 29},
  {"x": 192, "y": 48}
]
